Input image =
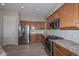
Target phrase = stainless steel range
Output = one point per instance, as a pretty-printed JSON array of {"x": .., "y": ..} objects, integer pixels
[{"x": 49, "y": 43}]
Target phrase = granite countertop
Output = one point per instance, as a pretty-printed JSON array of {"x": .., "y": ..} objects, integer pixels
[{"x": 70, "y": 45}]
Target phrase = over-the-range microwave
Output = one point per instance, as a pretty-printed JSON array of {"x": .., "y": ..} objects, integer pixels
[{"x": 55, "y": 24}]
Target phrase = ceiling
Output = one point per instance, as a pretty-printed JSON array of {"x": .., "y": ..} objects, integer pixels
[{"x": 33, "y": 11}]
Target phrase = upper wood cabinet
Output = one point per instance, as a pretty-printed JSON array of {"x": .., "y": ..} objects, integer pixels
[
  {"x": 56, "y": 14},
  {"x": 48, "y": 24},
  {"x": 52, "y": 17},
  {"x": 69, "y": 16},
  {"x": 42, "y": 25},
  {"x": 37, "y": 25},
  {"x": 49, "y": 20}
]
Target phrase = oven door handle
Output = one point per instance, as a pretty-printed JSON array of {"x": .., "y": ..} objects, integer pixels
[{"x": 48, "y": 42}]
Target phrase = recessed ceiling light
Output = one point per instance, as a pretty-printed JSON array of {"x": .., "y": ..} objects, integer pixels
[
  {"x": 38, "y": 9},
  {"x": 22, "y": 7},
  {"x": 2, "y": 4},
  {"x": 33, "y": 28}
]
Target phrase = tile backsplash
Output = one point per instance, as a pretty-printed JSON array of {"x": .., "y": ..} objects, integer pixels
[
  {"x": 72, "y": 35},
  {"x": 37, "y": 31}
]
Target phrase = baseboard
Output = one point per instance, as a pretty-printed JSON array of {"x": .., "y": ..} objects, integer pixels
[{"x": 9, "y": 44}]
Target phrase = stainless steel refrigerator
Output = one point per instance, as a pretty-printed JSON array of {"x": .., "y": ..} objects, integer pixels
[{"x": 26, "y": 33}]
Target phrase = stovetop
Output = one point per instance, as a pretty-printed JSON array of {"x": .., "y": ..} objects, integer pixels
[{"x": 54, "y": 37}]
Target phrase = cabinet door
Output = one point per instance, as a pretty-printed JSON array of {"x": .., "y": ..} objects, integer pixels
[
  {"x": 56, "y": 15},
  {"x": 32, "y": 38},
  {"x": 68, "y": 15},
  {"x": 35, "y": 38},
  {"x": 57, "y": 52},
  {"x": 42, "y": 25},
  {"x": 38, "y": 37},
  {"x": 43, "y": 38},
  {"x": 48, "y": 24},
  {"x": 50, "y": 17},
  {"x": 49, "y": 20}
]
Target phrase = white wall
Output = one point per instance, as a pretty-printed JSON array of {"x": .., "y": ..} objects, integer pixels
[
  {"x": 1, "y": 27},
  {"x": 24, "y": 17},
  {"x": 72, "y": 35},
  {"x": 13, "y": 18},
  {"x": 33, "y": 19}
]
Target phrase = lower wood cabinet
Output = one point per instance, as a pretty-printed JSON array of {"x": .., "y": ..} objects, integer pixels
[
  {"x": 43, "y": 38},
  {"x": 35, "y": 38},
  {"x": 61, "y": 51}
]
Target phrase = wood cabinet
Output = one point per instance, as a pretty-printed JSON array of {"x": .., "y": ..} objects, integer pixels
[
  {"x": 49, "y": 20},
  {"x": 37, "y": 25},
  {"x": 69, "y": 16},
  {"x": 52, "y": 17},
  {"x": 42, "y": 25},
  {"x": 35, "y": 38},
  {"x": 25, "y": 22},
  {"x": 10, "y": 28},
  {"x": 56, "y": 14},
  {"x": 48, "y": 24},
  {"x": 61, "y": 51},
  {"x": 43, "y": 38}
]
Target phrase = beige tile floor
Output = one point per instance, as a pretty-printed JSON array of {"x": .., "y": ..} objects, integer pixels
[{"x": 36, "y": 49}]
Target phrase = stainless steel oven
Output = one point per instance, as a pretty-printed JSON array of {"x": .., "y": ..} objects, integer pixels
[{"x": 49, "y": 43}]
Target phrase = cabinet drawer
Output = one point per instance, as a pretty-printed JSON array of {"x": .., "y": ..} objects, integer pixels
[
  {"x": 63, "y": 50},
  {"x": 57, "y": 52}
]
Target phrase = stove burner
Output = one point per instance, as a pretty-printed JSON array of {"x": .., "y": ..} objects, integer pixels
[{"x": 53, "y": 37}]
